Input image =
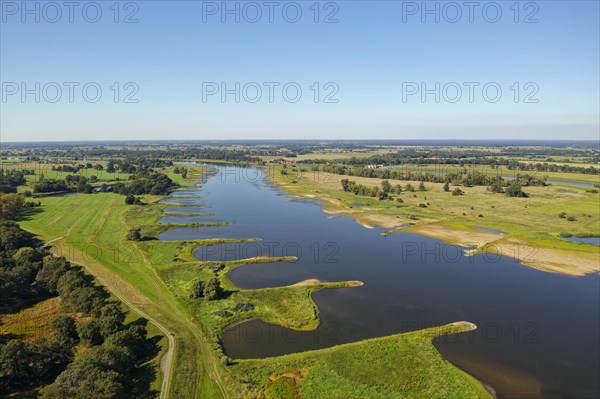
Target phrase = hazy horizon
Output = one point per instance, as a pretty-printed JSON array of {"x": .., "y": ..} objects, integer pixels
[{"x": 343, "y": 70}]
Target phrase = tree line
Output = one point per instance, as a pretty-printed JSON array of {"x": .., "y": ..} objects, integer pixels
[
  {"x": 469, "y": 179},
  {"x": 110, "y": 352}
]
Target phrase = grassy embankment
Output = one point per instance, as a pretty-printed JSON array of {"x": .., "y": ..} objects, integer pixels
[
  {"x": 535, "y": 231},
  {"x": 154, "y": 276},
  {"x": 93, "y": 228}
]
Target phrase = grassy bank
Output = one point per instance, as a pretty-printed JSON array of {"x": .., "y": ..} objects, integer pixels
[
  {"x": 535, "y": 230},
  {"x": 398, "y": 366}
]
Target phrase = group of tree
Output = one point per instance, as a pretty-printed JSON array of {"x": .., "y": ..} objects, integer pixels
[
  {"x": 468, "y": 179},
  {"x": 10, "y": 206},
  {"x": 495, "y": 157},
  {"x": 154, "y": 184},
  {"x": 208, "y": 289},
  {"x": 384, "y": 192},
  {"x": 29, "y": 274},
  {"x": 181, "y": 171},
  {"x": 10, "y": 179}
]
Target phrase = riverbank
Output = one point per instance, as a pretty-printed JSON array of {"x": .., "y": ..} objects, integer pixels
[
  {"x": 535, "y": 230},
  {"x": 402, "y": 365}
]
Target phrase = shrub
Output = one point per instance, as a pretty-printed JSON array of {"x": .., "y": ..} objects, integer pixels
[
  {"x": 225, "y": 360},
  {"x": 134, "y": 235}
]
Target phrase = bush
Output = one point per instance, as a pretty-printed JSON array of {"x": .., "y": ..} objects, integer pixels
[
  {"x": 225, "y": 360},
  {"x": 212, "y": 289},
  {"x": 458, "y": 191},
  {"x": 196, "y": 289},
  {"x": 134, "y": 235}
]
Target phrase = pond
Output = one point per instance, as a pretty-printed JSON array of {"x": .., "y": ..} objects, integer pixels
[
  {"x": 538, "y": 332},
  {"x": 490, "y": 230},
  {"x": 585, "y": 240},
  {"x": 186, "y": 209}
]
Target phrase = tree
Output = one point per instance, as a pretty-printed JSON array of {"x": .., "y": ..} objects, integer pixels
[
  {"x": 514, "y": 189},
  {"x": 111, "y": 319},
  {"x": 212, "y": 289},
  {"x": 386, "y": 186},
  {"x": 225, "y": 360},
  {"x": 446, "y": 187},
  {"x": 196, "y": 289},
  {"x": 15, "y": 358},
  {"x": 65, "y": 330},
  {"x": 10, "y": 205},
  {"x": 422, "y": 186},
  {"x": 52, "y": 270},
  {"x": 134, "y": 235},
  {"x": 129, "y": 199},
  {"x": 133, "y": 339},
  {"x": 68, "y": 282},
  {"x": 25, "y": 256},
  {"x": 89, "y": 333}
]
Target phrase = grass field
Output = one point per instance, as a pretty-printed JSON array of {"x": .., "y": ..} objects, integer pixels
[
  {"x": 535, "y": 231},
  {"x": 154, "y": 276},
  {"x": 398, "y": 366},
  {"x": 93, "y": 230}
]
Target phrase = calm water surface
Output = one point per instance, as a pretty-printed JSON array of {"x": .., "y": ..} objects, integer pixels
[{"x": 538, "y": 332}]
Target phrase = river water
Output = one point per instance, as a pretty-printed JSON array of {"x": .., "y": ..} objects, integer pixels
[{"x": 538, "y": 332}]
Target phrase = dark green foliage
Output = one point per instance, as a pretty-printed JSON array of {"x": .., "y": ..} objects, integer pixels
[
  {"x": 89, "y": 333},
  {"x": 458, "y": 191},
  {"x": 243, "y": 307},
  {"x": 50, "y": 186},
  {"x": 65, "y": 330},
  {"x": 196, "y": 289},
  {"x": 15, "y": 358},
  {"x": 386, "y": 186},
  {"x": 110, "y": 319},
  {"x": 129, "y": 199},
  {"x": 223, "y": 313},
  {"x": 134, "y": 235},
  {"x": 154, "y": 184},
  {"x": 515, "y": 190},
  {"x": 12, "y": 237},
  {"x": 446, "y": 187},
  {"x": 10, "y": 206},
  {"x": 103, "y": 371},
  {"x": 212, "y": 289},
  {"x": 53, "y": 268},
  {"x": 225, "y": 360},
  {"x": 10, "y": 180}
]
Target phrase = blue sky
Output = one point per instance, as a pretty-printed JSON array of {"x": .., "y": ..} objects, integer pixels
[{"x": 371, "y": 57}]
